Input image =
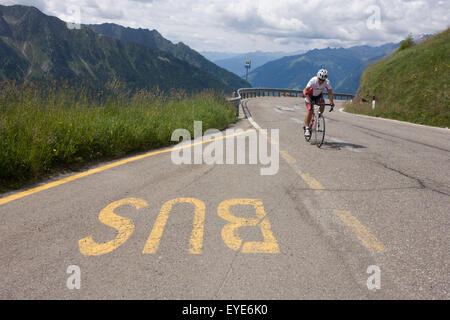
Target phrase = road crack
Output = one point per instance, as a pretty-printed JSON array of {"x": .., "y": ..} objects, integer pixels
[{"x": 421, "y": 183}]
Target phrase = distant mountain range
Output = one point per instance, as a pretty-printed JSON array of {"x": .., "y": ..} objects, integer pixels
[
  {"x": 344, "y": 66},
  {"x": 217, "y": 55},
  {"x": 234, "y": 62},
  {"x": 36, "y": 46}
]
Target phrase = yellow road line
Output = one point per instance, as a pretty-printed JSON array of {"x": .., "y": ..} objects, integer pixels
[
  {"x": 103, "y": 168},
  {"x": 361, "y": 232},
  {"x": 287, "y": 157},
  {"x": 313, "y": 183},
  {"x": 264, "y": 133}
]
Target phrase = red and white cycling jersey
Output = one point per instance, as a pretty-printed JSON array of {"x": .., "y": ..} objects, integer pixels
[{"x": 317, "y": 88}]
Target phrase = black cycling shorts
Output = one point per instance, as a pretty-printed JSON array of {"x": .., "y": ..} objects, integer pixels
[{"x": 309, "y": 100}]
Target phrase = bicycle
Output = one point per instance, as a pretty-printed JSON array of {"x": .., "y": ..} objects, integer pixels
[{"x": 317, "y": 125}]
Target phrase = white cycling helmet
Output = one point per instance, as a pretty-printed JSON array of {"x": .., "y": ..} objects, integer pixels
[{"x": 322, "y": 74}]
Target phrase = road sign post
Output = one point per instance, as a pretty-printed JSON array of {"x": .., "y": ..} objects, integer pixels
[{"x": 248, "y": 65}]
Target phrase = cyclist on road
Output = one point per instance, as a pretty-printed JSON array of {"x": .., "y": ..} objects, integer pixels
[{"x": 313, "y": 94}]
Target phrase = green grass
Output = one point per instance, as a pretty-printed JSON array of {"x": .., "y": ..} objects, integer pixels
[
  {"x": 44, "y": 129},
  {"x": 412, "y": 85}
]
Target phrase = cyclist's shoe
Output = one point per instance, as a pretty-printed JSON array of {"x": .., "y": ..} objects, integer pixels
[{"x": 307, "y": 132}]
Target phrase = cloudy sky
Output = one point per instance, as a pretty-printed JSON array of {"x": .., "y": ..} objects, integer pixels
[{"x": 265, "y": 25}]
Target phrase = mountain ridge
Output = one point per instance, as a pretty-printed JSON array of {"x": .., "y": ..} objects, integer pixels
[
  {"x": 40, "y": 47},
  {"x": 153, "y": 39}
]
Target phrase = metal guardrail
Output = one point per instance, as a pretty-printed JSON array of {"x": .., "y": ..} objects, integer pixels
[{"x": 247, "y": 93}]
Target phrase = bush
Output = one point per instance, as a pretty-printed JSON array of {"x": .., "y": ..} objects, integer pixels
[{"x": 407, "y": 43}]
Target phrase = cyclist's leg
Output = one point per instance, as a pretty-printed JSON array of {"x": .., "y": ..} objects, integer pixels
[
  {"x": 309, "y": 110},
  {"x": 321, "y": 103}
]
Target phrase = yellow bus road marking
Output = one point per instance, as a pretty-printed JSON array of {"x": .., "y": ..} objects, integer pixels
[
  {"x": 361, "y": 232},
  {"x": 196, "y": 242},
  {"x": 287, "y": 157},
  {"x": 229, "y": 232},
  {"x": 109, "y": 166},
  {"x": 125, "y": 227}
]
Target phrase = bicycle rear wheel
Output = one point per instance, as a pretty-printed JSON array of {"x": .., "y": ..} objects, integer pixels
[{"x": 319, "y": 131}]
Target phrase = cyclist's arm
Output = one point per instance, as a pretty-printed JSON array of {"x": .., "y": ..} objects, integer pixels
[
  {"x": 305, "y": 91},
  {"x": 330, "y": 95}
]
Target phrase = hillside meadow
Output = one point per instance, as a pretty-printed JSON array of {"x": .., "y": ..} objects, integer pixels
[{"x": 412, "y": 85}]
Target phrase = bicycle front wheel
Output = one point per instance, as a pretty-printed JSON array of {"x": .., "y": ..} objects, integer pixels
[{"x": 319, "y": 131}]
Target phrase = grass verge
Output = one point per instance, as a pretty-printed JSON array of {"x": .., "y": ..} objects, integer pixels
[{"x": 46, "y": 129}]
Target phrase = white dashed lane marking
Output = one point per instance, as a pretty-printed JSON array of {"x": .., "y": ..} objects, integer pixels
[
  {"x": 277, "y": 110},
  {"x": 283, "y": 108}
]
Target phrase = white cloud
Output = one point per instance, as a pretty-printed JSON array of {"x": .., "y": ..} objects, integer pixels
[{"x": 267, "y": 25}]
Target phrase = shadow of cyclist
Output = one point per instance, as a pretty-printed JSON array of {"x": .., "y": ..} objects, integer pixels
[{"x": 340, "y": 145}]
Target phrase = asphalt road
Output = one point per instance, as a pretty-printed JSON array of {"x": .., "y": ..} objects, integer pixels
[{"x": 376, "y": 196}]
